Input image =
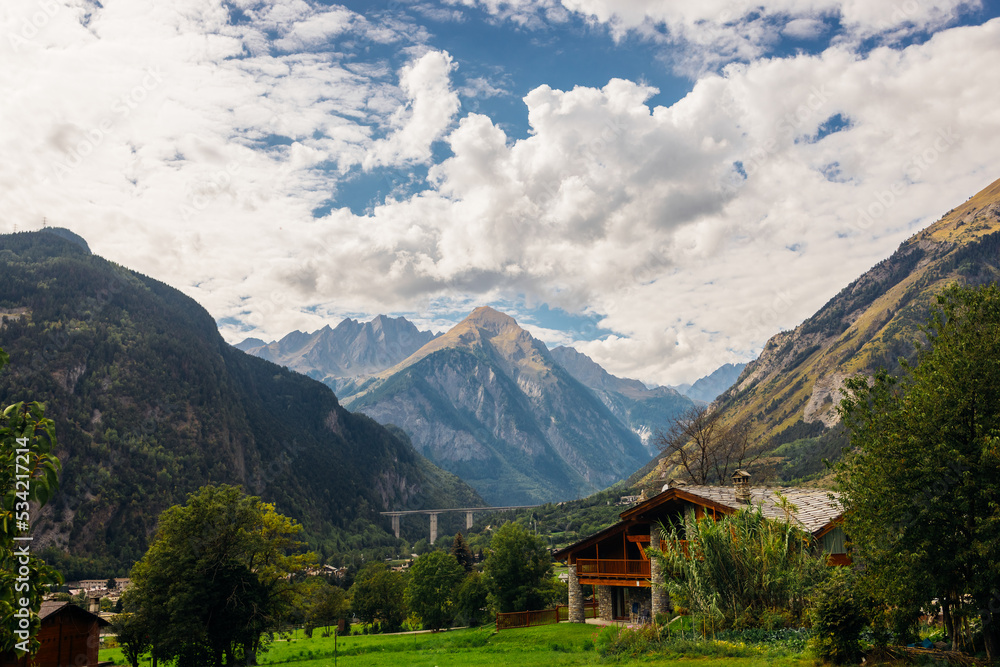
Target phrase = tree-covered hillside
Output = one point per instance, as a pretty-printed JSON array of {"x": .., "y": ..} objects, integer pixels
[{"x": 151, "y": 403}]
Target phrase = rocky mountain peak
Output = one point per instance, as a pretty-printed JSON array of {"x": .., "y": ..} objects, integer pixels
[
  {"x": 489, "y": 319},
  {"x": 349, "y": 351}
]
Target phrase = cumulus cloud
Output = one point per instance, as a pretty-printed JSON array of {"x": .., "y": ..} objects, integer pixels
[
  {"x": 804, "y": 28},
  {"x": 711, "y": 33},
  {"x": 431, "y": 106},
  {"x": 698, "y": 230},
  {"x": 198, "y": 150}
]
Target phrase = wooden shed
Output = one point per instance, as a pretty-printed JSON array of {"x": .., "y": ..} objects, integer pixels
[{"x": 69, "y": 636}]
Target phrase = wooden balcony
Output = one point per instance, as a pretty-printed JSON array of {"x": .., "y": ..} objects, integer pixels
[{"x": 607, "y": 568}]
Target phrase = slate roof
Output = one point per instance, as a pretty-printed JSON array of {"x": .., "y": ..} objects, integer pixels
[
  {"x": 50, "y": 607},
  {"x": 814, "y": 507}
]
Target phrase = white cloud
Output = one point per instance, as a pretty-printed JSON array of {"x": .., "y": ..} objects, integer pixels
[
  {"x": 310, "y": 30},
  {"x": 482, "y": 87},
  {"x": 530, "y": 14},
  {"x": 431, "y": 106},
  {"x": 804, "y": 28},
  {"x": 711, "y": 33},
  {"x": 615, "y": 208},
  {"x": 195, "y": 150}
]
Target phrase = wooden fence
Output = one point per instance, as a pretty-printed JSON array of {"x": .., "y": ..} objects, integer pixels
[{"x": 526, "y": 619}]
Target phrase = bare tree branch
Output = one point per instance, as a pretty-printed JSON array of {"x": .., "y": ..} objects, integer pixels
[{"x": 704, "y": 449}]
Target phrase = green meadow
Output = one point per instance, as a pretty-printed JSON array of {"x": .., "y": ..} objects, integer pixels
[{"x": 562, "y": 644}]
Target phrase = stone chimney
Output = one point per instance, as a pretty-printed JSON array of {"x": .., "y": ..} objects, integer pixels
[
  {"x": 741, "y": 482},
  {"x": 655, "y": 485},
  {"x": 674, "y": 483},
  {"x": 94, "y": 604}
]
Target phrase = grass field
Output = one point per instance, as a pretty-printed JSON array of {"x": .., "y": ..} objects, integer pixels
[{"x": 562, "y": 644}]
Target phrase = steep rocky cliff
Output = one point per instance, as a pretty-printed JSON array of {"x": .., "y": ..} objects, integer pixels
[
  {"x": 346, "y": 354},
  {"x": 643, "y": 410}
]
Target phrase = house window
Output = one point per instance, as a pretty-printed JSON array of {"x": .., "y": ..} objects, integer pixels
[{"x": 833, "y": 542}]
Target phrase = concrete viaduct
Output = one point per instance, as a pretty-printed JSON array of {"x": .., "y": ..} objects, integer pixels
[{"x": 433, "y": 514}]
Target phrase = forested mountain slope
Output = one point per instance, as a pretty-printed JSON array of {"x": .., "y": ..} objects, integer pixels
[{"x": 151, "y": 403}]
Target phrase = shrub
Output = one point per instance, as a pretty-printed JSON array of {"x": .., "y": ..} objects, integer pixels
[
  {"x": 617, "y": 641},
  {"x": 838, "y": 618}
]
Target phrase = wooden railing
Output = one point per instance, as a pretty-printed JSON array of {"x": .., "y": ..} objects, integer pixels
[
  {"x": 604, "y": 567},
  {"x": 526, "y": 619}
]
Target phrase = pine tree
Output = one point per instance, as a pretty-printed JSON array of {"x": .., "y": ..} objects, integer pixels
[{"x": 460, "y": 550}]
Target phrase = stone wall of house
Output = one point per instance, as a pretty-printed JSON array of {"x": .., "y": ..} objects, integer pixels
[
  {"x": 576, "y": 614},
  {"x": 604, "y": 608},
  {"x": 643, "y": 597},
  {"x": 660, "y": 597}
]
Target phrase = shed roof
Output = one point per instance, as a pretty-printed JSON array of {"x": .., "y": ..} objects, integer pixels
[{"x": 52, "y": 607}]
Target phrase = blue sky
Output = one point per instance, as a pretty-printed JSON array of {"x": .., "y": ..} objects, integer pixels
[{"x": 662, "y": 185}]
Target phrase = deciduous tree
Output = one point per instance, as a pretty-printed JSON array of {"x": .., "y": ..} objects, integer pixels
[
  {"x": 28, "y": 475},
  {"x": 704, "y": 448},
  {"x": 921, "y": 483},
  {"x": 432, "y": 591},
  {"x": 471, "y": 600},
  {"x": 517, "y": 570},
  {"x": 133, "y": 636},
  {"x": 320, "y": 603},
  {"x": 215, "y": 578},
  {"x": 378, "y": 596}
]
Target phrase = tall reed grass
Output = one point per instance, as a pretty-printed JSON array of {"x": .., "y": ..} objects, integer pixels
[{"x": 741, "y": 571}]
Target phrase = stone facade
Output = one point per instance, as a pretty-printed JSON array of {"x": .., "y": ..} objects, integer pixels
[
  {"x": 641, "y": 596},
  {"x": 603, "y": 602},
  {"x": 630, "y": 595},
  {"x": 575, "y": 597},
  {"x": 660, "y": 599}
]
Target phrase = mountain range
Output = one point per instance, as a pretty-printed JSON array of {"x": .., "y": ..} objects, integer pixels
[
  {"x": 488, "y": 401},
  {"x": 708, "y": 388},
  {"x": 150, "y": 403},
  {"x": 345, "y": 354},
  {"x": 643, "y": 410},
  {"x": 484, "y": 439}
]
